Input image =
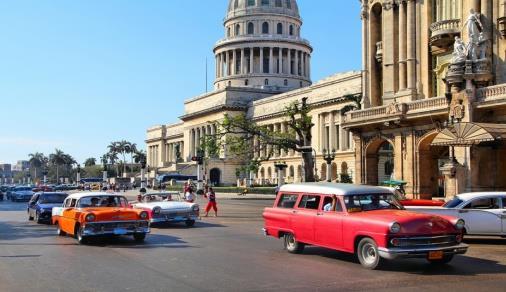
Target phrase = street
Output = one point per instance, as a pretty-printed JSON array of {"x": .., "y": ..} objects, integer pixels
[{"x": 225, "y": 253}]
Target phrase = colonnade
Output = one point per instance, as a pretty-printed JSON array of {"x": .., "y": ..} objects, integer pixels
[
  {"x": 331, "y": 134},
  {"x": 196, "y": 136},
  {"x": 268, "y": 60},
  {"x": 171, "y": 151},
  {"x": 153, "y": 155}
]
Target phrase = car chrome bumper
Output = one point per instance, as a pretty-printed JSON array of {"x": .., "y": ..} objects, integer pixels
[
  {"x": 264, "y": 231},
  {"x": 116, "y": 228},
  {"x": 173, "y": 219},
  {"x": 399, "y": 252}
]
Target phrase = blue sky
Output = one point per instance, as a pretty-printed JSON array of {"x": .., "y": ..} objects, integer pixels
[{"x": 78, "y": 74}]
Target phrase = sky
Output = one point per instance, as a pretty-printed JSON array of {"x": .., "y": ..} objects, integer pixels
[{"x": 76, "y": 75}]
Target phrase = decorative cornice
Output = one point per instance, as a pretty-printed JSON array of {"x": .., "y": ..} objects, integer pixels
[{"x": 213, "y": 110}]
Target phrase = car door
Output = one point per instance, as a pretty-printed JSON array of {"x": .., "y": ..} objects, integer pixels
[
  {"x": 503, "y": 214},
  {"x": 304, "y": 216},
  {"x": 329, "y": 224},
  {"x": 68, "y": 216},
  {"x": 482, "y": 215}
]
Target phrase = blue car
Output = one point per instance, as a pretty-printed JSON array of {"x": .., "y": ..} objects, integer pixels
[{"x": 41, "y": 205}]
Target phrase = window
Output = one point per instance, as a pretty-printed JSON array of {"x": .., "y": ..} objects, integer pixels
[
  {"x": 230, "y": 84},
  {"x": 328, "y": 200},
  {"x": 309, "y": 202},
  {"x": 236, "y": 4},
  {"x": 280, "y": 28},
  {"x": 278, "y": 3},
  {"x": 265, "y": 2},
  {"x": 266, "y": 82},
  {"x": 504, "y": 203},
  {"x": 287, "y": 201},
  {"x": 251, "y": 2},
  {"x": 246, "y": 82},
  {"x": 228, "y": 32},
  {"x": 237, "y": 29},
  {"x": 265, "y": 28},
  {"x": 285, "y": 82},
  {"x": 483, "y": 203},
  {"x": 251, "y": 28},
  {"x": 389, "y": 167},
  {"x": 291, "y": 29},
  {"x": 289, "y": 4}
]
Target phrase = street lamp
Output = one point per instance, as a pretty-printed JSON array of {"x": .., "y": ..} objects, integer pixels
[
  {"x": 143, "y": 173},
  {"x": 280, "y": 166},
  {"x": 329, "y": 158},
  {"x": 199, "y": 158},
  {"x": 78, "y": 174},
  {"x": 44, "y": 173}
]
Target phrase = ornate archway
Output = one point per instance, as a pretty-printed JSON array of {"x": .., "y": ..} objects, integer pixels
[
  {"x": 323, "y": 172},
  {"x": 430, "y": 158},
  {"x": 334, "y": 171},
  {"x": 379, "y": 153},
  {"x": 215, "y": 176}
]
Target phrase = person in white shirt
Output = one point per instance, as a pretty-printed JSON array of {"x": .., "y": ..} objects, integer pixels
[{"x": 330, "y": 206}]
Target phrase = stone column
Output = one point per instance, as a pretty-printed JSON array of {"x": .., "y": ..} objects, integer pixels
[
  {"x": 486, "y": 11},
  {"x": 402, "y": 45},
  {"x": 234, "y": 62},
  {"x": 342, "y": 133},
  {"x": 296, "y": 63},
  {"x": 411, "y": 44},
  {"x": 261, "y": 60},
  {"x": 332, "y": 134},
  {"x": 322, "y": 132},
  {"x": 271, "y": 60},
  {"x": 280, "y": 56},
  {"x": 251, "y": 60},
  {"x": 243, "y": 64},
  {"x": 227, "y": 65},
  {"x": 289, "y": 61},
  {"x": 303, "y": 64}
]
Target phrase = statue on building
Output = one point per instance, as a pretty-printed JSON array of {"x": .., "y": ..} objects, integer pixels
[
  {"x": 474, "y": 26},
  {"x": 457, "y": 111},
  {"x": 459, "y": 51},
  {"x": 483, "y": 46}
]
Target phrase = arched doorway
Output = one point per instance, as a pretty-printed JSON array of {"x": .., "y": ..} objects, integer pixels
[
  {"x": 430, "y": 159},
  {"x": 215, "y": 176},
  {"x": 379, "y": 161},
  {"x": 334, "y": 171},
  {"x": 323, "y": 172}
]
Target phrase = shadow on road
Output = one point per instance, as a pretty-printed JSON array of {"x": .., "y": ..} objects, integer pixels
[
  {"x": 485, "y": 240},
  {"x": 182, "y": 225},
  {"x": 152, "y": 241},
  {"x": 461, "y": 265},
  {"x": 14, "y": 231}
]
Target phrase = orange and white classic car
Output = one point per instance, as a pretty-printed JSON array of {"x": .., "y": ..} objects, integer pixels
[{"x": 86, "y": 215}]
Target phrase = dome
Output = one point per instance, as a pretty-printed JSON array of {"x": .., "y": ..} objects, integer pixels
[{"x": 245, "y": 7}]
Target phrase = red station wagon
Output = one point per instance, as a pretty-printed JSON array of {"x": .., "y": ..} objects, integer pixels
[{"x": 364, "y": 220}]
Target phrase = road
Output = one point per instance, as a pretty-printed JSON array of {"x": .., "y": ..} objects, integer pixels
[{"x": 226, "y": 253}]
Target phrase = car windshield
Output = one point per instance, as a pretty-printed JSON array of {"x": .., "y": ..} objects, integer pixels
[
  {"x": 162, "y": 197},
  {"x": 453, "y": 203},
  {"x": 52, "y": 198},
  {"x": 359, "y": 203},
  {"x": 102, "y": 201}
]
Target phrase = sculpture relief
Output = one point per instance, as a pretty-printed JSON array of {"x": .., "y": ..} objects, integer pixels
[
  {"x": 473, "y": 25},
  {"x": 459, "y": 51}
]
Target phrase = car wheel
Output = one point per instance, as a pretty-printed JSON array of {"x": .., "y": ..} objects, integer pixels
[
  {"x": 446, "y": 259},
  {"x": 139, "y": 237},
  {"x": 30, "y": 218},
  {"x": 367, "y": 253},
  {"x": 59, "y": 231},
  {"x": 189, "y": 223},
  {"x": 292, "y": 245},
  {"x": 79, "y": 235}
]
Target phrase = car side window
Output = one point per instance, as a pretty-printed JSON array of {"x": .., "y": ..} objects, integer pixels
[
  {"x": 504, "y": 202},
  {"x": 327, "y": 204},
  {"x": 287, "y": 201},
  {"x": 309, "y": 202},
  {"x": 483, "y": 204},
  {"x": 72, "y": 203}
]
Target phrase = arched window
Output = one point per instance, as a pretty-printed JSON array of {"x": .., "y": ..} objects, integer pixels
[
  {"x": 246, "y": 82},
  {"x": 237, "y": 29},
  {"x": 236, "y": 4},
  {"x": 265, "y": 2},
  {"x": 286, "y": 82},
  {"x": 291, "y": 29},
  {"x": 251, "y": 28},
  {"x": 289, "y": 4},
  {"x": 389, "y": 167},
  {"x": 266, "y": 82},
  {"x": 228, "y": 32},
  {"x": 265, "y": 28},
  {"x": 251, "y": 2},
  {"x": 230, "y": 84},
  {"x": 278, "y": 3},
  {"x": 280, "y": 28}
]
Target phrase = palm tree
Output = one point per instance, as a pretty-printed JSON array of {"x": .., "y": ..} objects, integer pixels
[
  {"x": 124, "y": 147},
  {"x": 113, "y": 157},
  {"x": 139, "y": 156},
  {"x": 36, "y": 161},
  {"x": 58, "y": 158},
  {"x": 90, "y": 161}
]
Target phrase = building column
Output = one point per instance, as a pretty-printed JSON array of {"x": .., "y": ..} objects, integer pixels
[
  {"x": 280, "y": 56},
  {"x": 486, "y": 11},
  {"x": 251, "y": 60},
  {"x": 411, "y": 44},
  {"x": 234, "y": 62},
  {"x": 322, "y": 132},
  {"x": 296, "y": 69},
  {"x": 402, "y": 45},
  {"x": 289, "y": 61},
  {"x": 227, "y": 65},
  {"x": 309, "y": 66},
  {"x": 243, "y": 64},
  {"x": 271, "y": 60},
  {"x": 261, "y": 60},
  {"x": 303, "y": 63},
  {"x": 332, "y": 134}
]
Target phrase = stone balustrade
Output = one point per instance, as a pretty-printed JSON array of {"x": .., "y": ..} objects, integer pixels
[
  {"x": 430, "y": 103},
  {"x": 443, "y": 32},
  {"x": 491, "y": 92}
]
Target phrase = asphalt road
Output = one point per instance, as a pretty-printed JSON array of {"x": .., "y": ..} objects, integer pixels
[{"x": 227, "y": 253}]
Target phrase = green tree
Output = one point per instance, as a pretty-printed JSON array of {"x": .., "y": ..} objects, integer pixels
[
  {"x": 36, "y": 160},
  {"x": 90, "y": 162},
  {"x": 139, "y": 156},
  {"x": 58, "y": 159}
]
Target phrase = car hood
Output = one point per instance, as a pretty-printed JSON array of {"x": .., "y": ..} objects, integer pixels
[
  {"x": 165, "y": 205},
  {"x": 23, "y": 193},
  {"x": 411, "y": 222},
  {"x": 416, "y": 202},
  {"x": 113, "y": 214}
]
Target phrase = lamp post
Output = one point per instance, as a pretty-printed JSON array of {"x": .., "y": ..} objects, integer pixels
[
  {"x": 44, "y": 173},
  {"x": 200, "y": 161},
  {"x": 78, "y": 178},
  {"x": 329, "y": 158},
  {"x": 104, "y": 172},
  {"x": 281, "y": 166},
  {"x": 143, "y": 173}
]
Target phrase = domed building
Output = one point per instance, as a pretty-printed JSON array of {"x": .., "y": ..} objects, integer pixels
[{"x": 262, "y": 47}]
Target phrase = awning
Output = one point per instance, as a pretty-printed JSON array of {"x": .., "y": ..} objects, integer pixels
[{"x": 468, "y": 134}]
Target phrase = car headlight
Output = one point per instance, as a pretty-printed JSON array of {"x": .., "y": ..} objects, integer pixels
[
  {"x": 143, "y": 215},
  {"x": 157, "y": 210},
  {"x": 460, "y": 224},
  {"x": 90, "y": 218},
  {"x": 395, "y": 227}
]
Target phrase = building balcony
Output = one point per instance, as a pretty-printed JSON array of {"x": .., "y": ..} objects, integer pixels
[{"x": 443, "y": 32}]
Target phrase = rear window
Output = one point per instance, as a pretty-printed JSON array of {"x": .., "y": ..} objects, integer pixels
[
  {"x": 309, "y": 202},
  {"x": 453, "y": 203},
  {"x": 287, "y": 201}
]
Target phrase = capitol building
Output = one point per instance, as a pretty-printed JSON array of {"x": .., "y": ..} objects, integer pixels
[{"x": 432, "y": 88}]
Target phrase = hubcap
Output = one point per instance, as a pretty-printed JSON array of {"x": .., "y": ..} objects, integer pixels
[
  {"x": 290, "y": 241},
  {"x": 369, "y": 253}
]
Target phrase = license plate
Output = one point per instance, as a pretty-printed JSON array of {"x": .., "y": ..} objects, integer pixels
[
  {"x": 435, "y": 255},
  {"x": 120, "y": 231}
]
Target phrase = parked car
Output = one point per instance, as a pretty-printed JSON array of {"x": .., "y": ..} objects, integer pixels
[
  {"x": 21, "y": 194},
  {"x": 41, "y": 205},
  {"x": 364, "y": 220},
  {"x": 413, "y": 202},
  {"x": 42, "y": 188},
  {"x": 164, "y": 207},
  {"x": 484, "y": 213},
  {"x": 86, "y": 215}
]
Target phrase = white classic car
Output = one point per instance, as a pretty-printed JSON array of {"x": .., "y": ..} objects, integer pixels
[
  {"x": 166, "y": 207},
  {"x": 484, "y": 213}
]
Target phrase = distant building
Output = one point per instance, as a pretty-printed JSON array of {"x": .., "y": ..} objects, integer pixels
[
  {"x": 5, "y": 173},
  {"x": 21, "y": 165}
]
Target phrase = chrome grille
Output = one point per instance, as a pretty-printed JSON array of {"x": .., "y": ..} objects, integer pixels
[{"x": 425, "y": 241}]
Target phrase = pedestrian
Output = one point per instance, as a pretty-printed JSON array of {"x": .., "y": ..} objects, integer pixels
[
  {"x": 211, "y": 196},
  {"x": 189, "y": 192}
]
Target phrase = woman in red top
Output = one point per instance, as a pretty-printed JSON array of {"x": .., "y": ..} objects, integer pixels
[{"x": 211, "y": 196}]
